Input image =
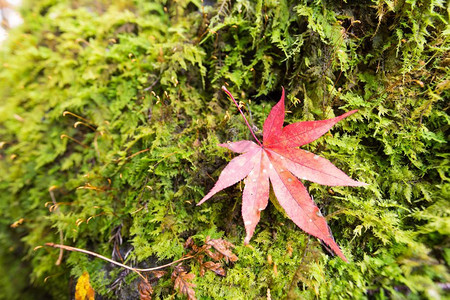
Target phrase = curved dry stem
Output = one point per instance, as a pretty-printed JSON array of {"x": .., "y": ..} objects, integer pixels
[
  {"x": 137, "y": 270},
  {"x": 245, "y": 119}
]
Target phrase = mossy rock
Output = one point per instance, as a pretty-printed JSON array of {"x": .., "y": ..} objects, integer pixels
[{"x": 111, "y": 116}]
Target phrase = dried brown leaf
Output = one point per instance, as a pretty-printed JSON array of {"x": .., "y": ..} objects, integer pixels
[
  {"x": 183, "y": 282},
  {"x": 145, "y": 290},
  {"x": 202, "y": 270},
  {"x": 223, "y": 247},
  {"x": 178, "y": 269},
  {"x": 159, "y": 274},
  {"x": 199, "y": 258},
  {"x": 215, "y": 267},
  {"x": 216, "y": 256},
  {"x": 189, "y": 243}
]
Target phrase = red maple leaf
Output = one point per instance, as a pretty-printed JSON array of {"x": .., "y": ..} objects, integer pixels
[{"x": 279, "y": 160}]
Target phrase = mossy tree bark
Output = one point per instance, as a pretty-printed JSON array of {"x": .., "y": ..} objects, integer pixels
[{"x": 115, "y": 109}]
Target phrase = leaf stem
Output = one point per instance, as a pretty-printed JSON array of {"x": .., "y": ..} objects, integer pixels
[{"x": 245, "y": 119}]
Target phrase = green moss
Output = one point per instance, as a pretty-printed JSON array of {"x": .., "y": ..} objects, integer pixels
[{"x": 144, "y": 80}]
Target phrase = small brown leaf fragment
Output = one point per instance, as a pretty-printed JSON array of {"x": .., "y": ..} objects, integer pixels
[
  {"x": 200, "y": 258},
  {"x": 223, "y": 247},
  {"x": 214, "y": 255},
  {"x": 289, "y": 251},
  {"x": 182, "y": 282},
  {"x": 189, "y": 242},
  {"x": 159, "y": 274},
  {"x": 179, "y": 269},
  {"x": 17, "y": 223},
  {"x": 202, "y": 270},
  {"x": 195, "y": 248},
  {"x": 83, "y": 289},
  {"x": 215, "y": 267},
  {"x": 196, "y": 143},
  {"x": 145, "y": 290}
]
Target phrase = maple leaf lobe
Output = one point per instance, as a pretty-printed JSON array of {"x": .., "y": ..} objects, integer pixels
[{"x": 273, "y": 125}]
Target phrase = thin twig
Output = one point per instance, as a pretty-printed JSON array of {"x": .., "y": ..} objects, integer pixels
[{"x": 137, "y": 270}]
